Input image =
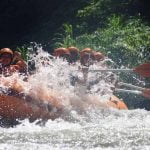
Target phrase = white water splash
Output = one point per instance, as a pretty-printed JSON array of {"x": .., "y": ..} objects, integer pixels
[
  {"x": 97, "y": 129},
  {"x": 54, "y": 76}
]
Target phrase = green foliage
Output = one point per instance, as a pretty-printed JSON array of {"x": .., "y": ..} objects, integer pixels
[
  {"x": 94, "y": 8},
  {"x": 123, "y": 38},
  {"x": 103, "y": 8},
  {"x": 96, "y": 12},
  {"x": 127, "y": 42},
  {"x": 64, "y": 39},
  {"x": 24, "y": 52}
]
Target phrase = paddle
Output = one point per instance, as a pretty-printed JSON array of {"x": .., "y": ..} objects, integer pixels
[
  {"x": 145, "y": 92},
  {"x": 143, "y": 70},
  {"x": 128, "y": 91},
  {"x": 138, "y": 90},
  {"x": 130, "y": 86}
]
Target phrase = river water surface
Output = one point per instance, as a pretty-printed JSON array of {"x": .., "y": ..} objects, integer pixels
[{"x": 103, "y": 129}]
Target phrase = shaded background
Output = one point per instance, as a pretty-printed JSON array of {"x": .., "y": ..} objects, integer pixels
[
  {"x": 32, "y": 20},
  {"x": 26, "y": 21}
]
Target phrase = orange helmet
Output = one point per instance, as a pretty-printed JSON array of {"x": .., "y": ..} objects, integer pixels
[
  {"x": 16, "y": 53},
  {"x": 86, "y": 51},
  {"x": 86, "y": 57},
  {"x": 98, "y": 56},
  {"x": 6, "y": 50},
  {"x": 74, "y": 54},
  {"x": 61, "y": 51},
  {"x": 73, "y": 49}
]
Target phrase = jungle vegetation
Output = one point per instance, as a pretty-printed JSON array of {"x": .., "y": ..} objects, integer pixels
[{"x": 119, "y": 28}]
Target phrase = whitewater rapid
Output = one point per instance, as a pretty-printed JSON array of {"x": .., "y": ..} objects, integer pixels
[
  {"x": 104, "y": 129},
  {"x": 96, "y": 129}
]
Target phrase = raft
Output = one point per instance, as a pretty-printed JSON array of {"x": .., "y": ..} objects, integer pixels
[
  {"x": 15, "y": 105},
  {"x": 117, "y": 103}
]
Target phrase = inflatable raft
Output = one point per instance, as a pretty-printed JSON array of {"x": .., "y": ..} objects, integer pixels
[{"x": 16, "y": 105}]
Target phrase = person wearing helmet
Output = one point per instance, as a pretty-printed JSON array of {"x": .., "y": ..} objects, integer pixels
[
  {"x": 11, "y": 61},
  {"x": 74, "y": 54},
  {"x": 98, "y": 56},
  {"x": 18, "y": 60},
  {"x": 62, "y": 53},
  {"x": 86, "y": 57},
  {"x": 6, "y": 57}
]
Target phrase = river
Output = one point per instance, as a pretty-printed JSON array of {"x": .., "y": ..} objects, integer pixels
[{"x": 103, "y": 129}]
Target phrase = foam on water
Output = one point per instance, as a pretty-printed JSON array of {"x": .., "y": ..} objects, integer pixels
[
  {"x": 104, "y": 129},
  {"x": 95, "y": 129}
]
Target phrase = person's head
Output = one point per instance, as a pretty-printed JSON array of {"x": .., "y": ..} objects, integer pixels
[
  {"x": 74, "y": 54},
  {"x": 6, "y": 56},
  {"x": 62, "y": 53},
  {"x": 98, "y": 56},
  {"x": 17, "y": 55},
  {"x": 86, "y": 57}
]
